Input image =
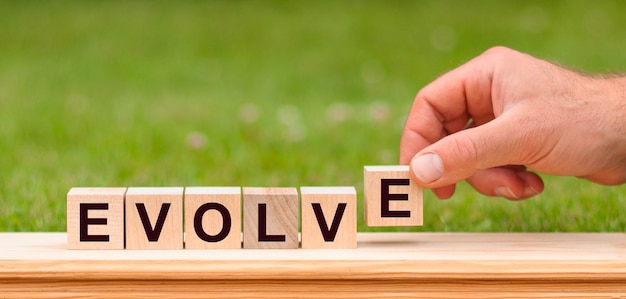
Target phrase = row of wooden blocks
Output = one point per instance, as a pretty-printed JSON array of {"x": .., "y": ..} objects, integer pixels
[{"x": 211, "y": 217}]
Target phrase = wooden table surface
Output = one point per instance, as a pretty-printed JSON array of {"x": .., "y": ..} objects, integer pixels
[{"x": 425, "y": 265}]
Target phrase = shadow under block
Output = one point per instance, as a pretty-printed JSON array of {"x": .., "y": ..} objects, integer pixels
[
  {"x": 212, "y": 218},
  {"x": 95, "y": 218},
  {"x": 385, "y": 265},
  {"x": 391, "y": 198},
  {"x": 328, "y": 217},
  {"x": 270, "y": 218},
  {"x": 154, "y": 218}
]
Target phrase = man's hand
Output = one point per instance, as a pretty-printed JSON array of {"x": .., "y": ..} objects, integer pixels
[{"x": 491, "y": 118}]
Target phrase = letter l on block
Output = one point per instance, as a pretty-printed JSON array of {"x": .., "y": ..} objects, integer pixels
[{"x": 270, "y": 218}]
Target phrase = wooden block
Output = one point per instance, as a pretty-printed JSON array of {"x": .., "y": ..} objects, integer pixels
[
  {"x": 95, "y": 218},
  {"x": 212, "y": 217},
  {"x": 270, "y": 218},
  {"x": 328, "y": 217},
  {"x": 391, "y": 198},
  {"x": 154, "y": 218}
]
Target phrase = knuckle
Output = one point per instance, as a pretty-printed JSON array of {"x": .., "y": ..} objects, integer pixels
[
  {"x": 464, "y": 148},
  {"x": 498, "y": 50}
]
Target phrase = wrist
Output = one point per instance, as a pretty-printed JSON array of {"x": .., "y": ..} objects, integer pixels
[{"x": 618, "y": 107}]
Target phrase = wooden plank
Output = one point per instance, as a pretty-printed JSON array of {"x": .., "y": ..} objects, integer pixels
[
  {"x": 390, "y": 197},
  {"x": 328, "y": 217},
  {"x": 428, "y": 265}
]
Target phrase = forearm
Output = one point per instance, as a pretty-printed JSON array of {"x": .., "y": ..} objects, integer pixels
[
  {"x": 620, "y": 100},
  {"x": 613, "y": 125}
]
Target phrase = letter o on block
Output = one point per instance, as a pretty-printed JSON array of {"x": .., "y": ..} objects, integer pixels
[{"x": 212, "y": 218}]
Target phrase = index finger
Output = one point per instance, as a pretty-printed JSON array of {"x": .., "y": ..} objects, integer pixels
[{"x": 447, "y": 105}]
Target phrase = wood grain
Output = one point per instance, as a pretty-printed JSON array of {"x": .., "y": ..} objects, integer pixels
[
  {"x": 106, "y": 210},
  {"x": 279, "y": 207},
  {"x": 426, "y": 265},
  {"x": 212, "y": 221},
  {"x": 328, "y": 201},
  {"x": 372, "y": 197},
  {"x": 156, "y": 202}
]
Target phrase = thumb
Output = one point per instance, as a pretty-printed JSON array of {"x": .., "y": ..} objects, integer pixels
[{"x": 459, "y": 155}]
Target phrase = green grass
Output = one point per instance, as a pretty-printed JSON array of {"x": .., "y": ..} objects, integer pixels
[{"x": 132, "y": 93}]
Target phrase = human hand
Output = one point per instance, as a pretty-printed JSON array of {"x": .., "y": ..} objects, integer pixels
[{"x": 491, "y": 118}]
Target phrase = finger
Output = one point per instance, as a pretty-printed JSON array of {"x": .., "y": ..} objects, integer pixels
[
  {"x": 612, "y": 177},
  {"x": 445, "y": 192},
  {"x": 447, "y": 104},
  {"x": 533, "y": 184},
  {"x": 414, "y": 137},
  {"x": 513, "y": 183},
  {"x": 460, "y": 155}
]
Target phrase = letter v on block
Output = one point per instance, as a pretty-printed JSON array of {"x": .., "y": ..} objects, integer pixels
[
  {"x": 153, "y": 234},
  {"x": 329, "y": 234},
  {"x": 154, "y": 218},
  {"x": 322, "y": 206}
]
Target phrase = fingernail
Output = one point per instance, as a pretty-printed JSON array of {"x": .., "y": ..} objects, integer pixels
[
  {"x": 427, "y": 168},
  {"x": 504, "y": 191},
  {"x": 530, "y": 191}
]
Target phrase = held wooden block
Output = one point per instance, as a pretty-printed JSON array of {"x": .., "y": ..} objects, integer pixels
[
  {"x": 328, "y": 217},
  {"x": 95, "y": 218},
  {"x": 212, "y": 217},
  {"x": 270, "y": 218},
  {"x": 154, "y": 218},
  {"x": 391, "y": 198}
]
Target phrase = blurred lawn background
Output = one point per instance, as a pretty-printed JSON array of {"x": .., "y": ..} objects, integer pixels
[{"x": 290, "y": 93}]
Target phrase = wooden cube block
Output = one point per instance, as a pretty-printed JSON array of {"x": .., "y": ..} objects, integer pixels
[
  {"x": 212, "y": 217},
  {"x": 391, "y": 198},
  {"x": 154, "y": 218},
  {"x": 95, "y": 218},
  {"x": 328, "y": 217},
  {"x": 270, "y": 218}
]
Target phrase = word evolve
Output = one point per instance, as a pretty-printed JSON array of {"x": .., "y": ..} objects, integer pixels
[{"x": 214, "y": 217}]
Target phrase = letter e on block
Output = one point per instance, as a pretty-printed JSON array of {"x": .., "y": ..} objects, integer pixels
[
  {"x": 328, "y": 217},
  {"x": 270, "y": 218},
  {"x": 212, "y": 218},
  {"x": 391, "y": 198},
  {"x": 154, "y": 218},
  {"x": 95, "y": 218}
]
